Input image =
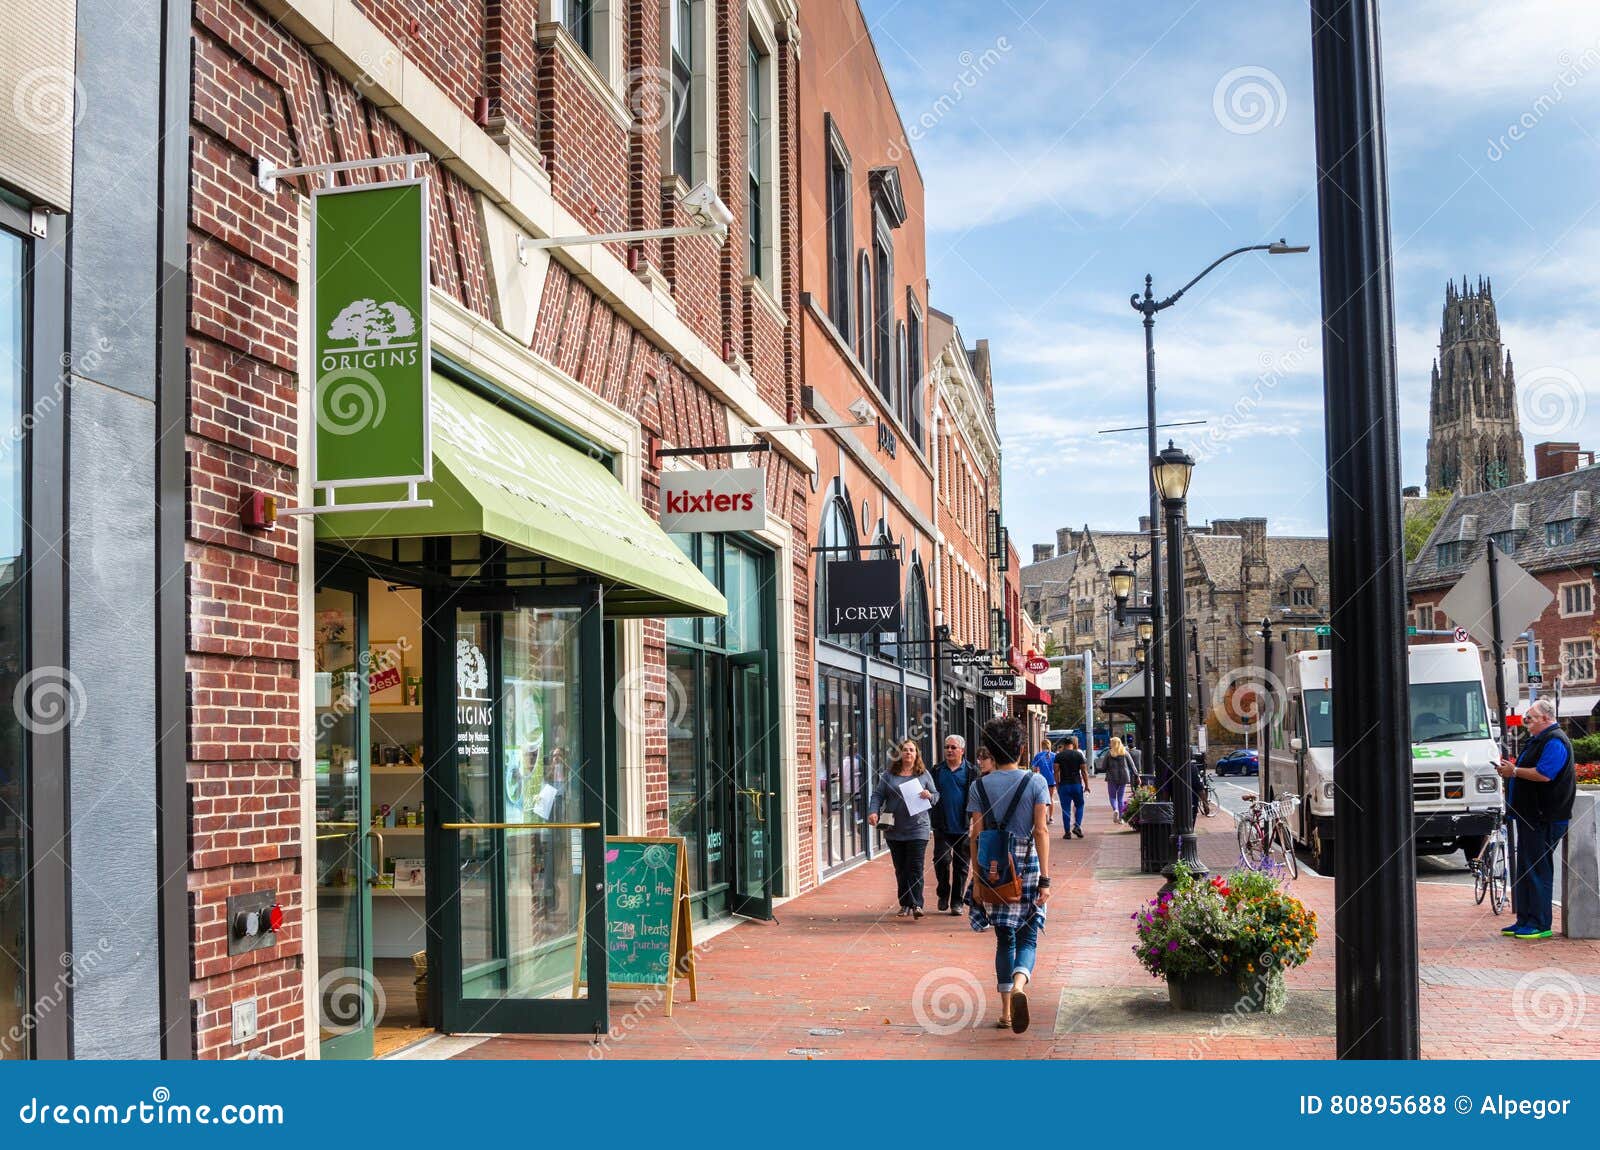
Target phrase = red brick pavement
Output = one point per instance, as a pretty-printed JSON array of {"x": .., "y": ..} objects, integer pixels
[{"x": 838, "y": 960}]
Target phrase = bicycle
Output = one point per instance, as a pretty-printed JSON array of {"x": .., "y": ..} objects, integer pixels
[
  {"x": 1209, "y": 805},
  {"x": 1491, "y": 870},
  {"x": 1264, "y": 835}
]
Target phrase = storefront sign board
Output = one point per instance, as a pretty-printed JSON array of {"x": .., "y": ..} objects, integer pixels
[
  {"x": 649, "y": 930},
  {"x": 369, "y": 334},
  {"x": 1001, "y": 681},
  {"x": 863, "y": 597},
  {"x": 725, "y": 499}
]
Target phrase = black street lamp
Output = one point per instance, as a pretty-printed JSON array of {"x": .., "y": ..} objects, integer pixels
[
  {"x": 1145, "y": 630},
  {"x": 1264, "y": 707},
  {"x": 1147, "y": 305},
  {"x": 1172, "y": 471}
]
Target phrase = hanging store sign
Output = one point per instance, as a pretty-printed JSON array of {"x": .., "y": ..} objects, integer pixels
[
  {"x": 864, "y": 597},
  {"x": 1003, "y": 682},
  {"x": 728, "y": 499},
  {"x": 369, "y": 334}
]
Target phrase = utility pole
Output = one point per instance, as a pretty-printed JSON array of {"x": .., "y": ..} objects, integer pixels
[{"x": 1375, "y": 883}]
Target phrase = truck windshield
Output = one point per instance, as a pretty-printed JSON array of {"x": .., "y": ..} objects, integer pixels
[
  {"x": 1319, "y": 719},
  {"x": 1448, "y": 712}
]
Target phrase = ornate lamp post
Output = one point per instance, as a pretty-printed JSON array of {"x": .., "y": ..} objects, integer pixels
[
  {"x": 1173, "y": 470},
  {"x": 1145, "y": 630}
]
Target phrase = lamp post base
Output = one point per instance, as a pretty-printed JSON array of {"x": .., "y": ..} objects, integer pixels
[{"x": 1185, "y": 850}]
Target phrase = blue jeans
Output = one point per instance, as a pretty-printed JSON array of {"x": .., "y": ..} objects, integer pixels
[
  {"x": 1014, "y": 949},
  {"x": 1533, "y": 891},
  {"x": 1071, "y": 802}
]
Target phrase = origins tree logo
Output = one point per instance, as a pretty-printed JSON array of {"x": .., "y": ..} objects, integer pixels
[
  {"x": 472, "y": 671},
  {"x": 368, "y": 322}
]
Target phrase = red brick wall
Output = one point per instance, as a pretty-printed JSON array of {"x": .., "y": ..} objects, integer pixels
[{"x": 259, "y": 92}]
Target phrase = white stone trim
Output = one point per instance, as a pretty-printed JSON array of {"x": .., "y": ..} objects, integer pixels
[{"x": 342, "y": 36}]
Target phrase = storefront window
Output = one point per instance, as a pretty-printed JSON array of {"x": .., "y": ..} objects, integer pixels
[
  {"x": 919, "y": 723},
  {"x": 705, "y": 745},
  {"x": 15, "y": 995},
  {"x": 841, "y": 770},
  {"x": 886, "y": 727},
  {"x": 914, "y": 627}
]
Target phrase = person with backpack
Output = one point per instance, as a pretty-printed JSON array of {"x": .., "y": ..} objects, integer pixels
[
  {"x": 1072, "y": 781},
  {"x": 1117, "y": 766},
  {"x": 1010, "y": 848},
  {"x": 1544, "y": 786},
  {"x": 907, "y": 834}
]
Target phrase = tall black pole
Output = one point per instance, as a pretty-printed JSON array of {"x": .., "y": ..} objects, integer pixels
[
  {"x": 1199, "y": 679},
  {"x": 1264, "y": 706},
  {"x": 1179, "y": 781},
  {"x": 1148, "y": 735},
  {"x": 1157, "y": 752},
  {"x": 1498, "y": 644},
  {"x": 1375, "y": 867}
]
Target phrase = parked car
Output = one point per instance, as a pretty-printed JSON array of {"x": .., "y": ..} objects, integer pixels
[{"x": 1244, "y": 761}]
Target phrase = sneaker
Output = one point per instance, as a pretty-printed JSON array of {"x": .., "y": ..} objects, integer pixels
[
  {"x": 1508, "y": 931},
  {"x": 1077, "y": 832},
  {"x": 944, "y": 904},
  {"x": 955, "y": 910},
  {"x": 1531, "y": 934},
  {"x": 904, "y": 912},
  {"x": 916, "y": 912}
]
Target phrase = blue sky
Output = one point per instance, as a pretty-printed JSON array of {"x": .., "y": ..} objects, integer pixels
[{"x": 1069, "y": 147}]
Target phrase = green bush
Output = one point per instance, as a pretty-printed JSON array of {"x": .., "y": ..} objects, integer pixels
[{"x": 1587, "y": 748}]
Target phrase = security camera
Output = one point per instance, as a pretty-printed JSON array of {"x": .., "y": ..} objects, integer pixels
[
  {"x": 862, "y": 410},
  {"x": 706, "y": 208}
]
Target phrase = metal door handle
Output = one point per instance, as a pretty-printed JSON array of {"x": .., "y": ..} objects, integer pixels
[
  {"x": 377, "y": 871},
  {"x": 755, "y": 797}
]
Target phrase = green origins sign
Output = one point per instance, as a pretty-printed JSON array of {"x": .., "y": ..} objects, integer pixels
[{"x": 369, "y": 314}]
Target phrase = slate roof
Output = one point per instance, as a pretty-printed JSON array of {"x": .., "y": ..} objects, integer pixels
[
  {"x": 1221, "y": 557},
  {"x": 1288, "y": 553},
  {"x": 1522, "y": 509}
]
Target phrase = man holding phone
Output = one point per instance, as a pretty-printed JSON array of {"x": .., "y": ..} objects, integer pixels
[{"x": 1543, "y": 787}]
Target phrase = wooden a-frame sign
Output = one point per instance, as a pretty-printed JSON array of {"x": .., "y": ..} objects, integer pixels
[{"x": 653, "y": 909}]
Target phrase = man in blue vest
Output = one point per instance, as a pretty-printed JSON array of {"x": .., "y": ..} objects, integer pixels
[
  {"x": 1544, "y": 785},
  {"x": 953, "y": 777}
]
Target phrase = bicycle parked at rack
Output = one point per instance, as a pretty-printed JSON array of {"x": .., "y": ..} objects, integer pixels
[
  {"x": 1491, "y": 870},
  {"x": 1209, "y": 806},
  {"x": 1264, "y": 835}
]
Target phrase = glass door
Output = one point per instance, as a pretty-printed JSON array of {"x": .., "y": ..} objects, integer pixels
[
  {"x": 516, "y": 810},
  {"x": 754, "y": 801},
  {"x": 348, "y": 994}
]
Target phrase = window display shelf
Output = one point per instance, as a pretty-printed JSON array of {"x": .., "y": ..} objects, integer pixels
[
  {"x": 395, "y": 708},
  {"x": 397, "y": 769}
]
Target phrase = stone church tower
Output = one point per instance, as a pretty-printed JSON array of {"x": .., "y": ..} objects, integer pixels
[{"x": 1474, "y": 441}]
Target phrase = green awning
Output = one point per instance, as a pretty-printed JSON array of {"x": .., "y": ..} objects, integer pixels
[{"x": 497, "y": 475}]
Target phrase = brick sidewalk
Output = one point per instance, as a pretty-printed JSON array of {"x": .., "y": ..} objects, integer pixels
[{"x": 840, "y": 977}]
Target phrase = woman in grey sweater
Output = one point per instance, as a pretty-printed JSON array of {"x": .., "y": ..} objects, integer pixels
[{"x": 908, "y": 836}]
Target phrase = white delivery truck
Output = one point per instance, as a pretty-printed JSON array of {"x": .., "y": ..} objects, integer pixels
[{"x": 1456, "y": 791}]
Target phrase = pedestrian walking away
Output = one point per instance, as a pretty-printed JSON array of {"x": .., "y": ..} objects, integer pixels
[
  {"x": 1072, "y": 782},
  {"x": 1043, "y": 764},
  {"x": 953, "y": 777},
  {"x": 1544, "y": 784},
  {"x": 1117, "y": 766},
  {"x": 906, "y": 833},
  {"x": 1010, "y": 845}
]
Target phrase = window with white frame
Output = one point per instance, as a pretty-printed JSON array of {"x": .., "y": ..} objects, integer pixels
[
  {"x": 1303, "y": 597},
  {"x": 882, "y": 306},
  {"x": 1577, "y": 599},
  {"x": 596, "y": 27},
  {"x": 1425, "y": 617},
  {"x": 579, "y": 18},
  {"x": 683, "y": 57},
  {"x": 864, "y": 311},
  {"x": 755, "y": 208},
  {"x": 916, "y": 399},
  {"x": 1577, "y": 660}
]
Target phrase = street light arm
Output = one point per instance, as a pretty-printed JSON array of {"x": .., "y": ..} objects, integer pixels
[{"x": 1149, "y": 305}]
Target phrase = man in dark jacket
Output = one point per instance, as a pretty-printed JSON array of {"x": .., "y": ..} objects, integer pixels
[
  {"x": 1544, "y": 785},
  {"x": 953, "y": 777}
]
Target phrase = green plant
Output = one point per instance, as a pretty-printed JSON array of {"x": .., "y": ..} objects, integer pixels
[
  {"x": 1420, "y": 520},
  {"x": 1140, "y": 796},
  {"x": 1586, "y": 749},
  {"x": 1237, "y": 925}
]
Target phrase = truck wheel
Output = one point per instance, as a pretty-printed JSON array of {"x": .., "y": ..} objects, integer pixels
[
  {"x": 1471, "y": 846},
  {"x": 1322, "y": 851}
]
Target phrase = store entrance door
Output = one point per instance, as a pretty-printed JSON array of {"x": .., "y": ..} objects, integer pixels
[
  {"x": 754, "y": 800},
  {"x": 517, "y": 918}
]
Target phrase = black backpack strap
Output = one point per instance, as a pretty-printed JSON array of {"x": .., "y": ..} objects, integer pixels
[
  {"x": 1016, "y": 800},
  {"x": 988, "y": 812}
]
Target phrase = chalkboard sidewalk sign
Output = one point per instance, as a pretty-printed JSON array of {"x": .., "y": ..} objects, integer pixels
[{"x": 649, "y": 931}]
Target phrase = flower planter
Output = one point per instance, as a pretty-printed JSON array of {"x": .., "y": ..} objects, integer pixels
[{"x": 1220, "y": 994}]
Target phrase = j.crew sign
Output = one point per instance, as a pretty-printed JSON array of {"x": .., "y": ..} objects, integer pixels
[
  {"x": 864, "y": 597},
  {"x": 732, "y": 499}
]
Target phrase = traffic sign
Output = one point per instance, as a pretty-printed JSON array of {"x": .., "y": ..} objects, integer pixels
[
  {"x": 1535, "y": 677},
  {"x": 1102, "y": 686},
  {"x": 1411, "y": 630},
  {"x": 1522, "y": 599},
  {"x": 1324, "y": 629},
  {"x": 1461, "y": 634}
]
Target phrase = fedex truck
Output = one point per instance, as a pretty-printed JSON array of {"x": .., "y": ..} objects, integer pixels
[{"x": 1455, "y": 789}]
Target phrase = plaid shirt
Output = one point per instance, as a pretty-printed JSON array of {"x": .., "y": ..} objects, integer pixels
[{"x": 1012, "y": 914}]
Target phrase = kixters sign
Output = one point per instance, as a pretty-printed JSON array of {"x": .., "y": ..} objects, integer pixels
[
  {"x": 864, "y": 597},
  {"x": 732, "y": 499}
]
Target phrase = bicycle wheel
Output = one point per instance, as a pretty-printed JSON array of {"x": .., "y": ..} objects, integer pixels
[
  {"x": 1208, "y": 801},
  {"x": 1252, "y": 848},
  {"x": 1499, "y": 878},
  {"x": 1282, "y": 850},
  {"x": 1480, "y": 878}
]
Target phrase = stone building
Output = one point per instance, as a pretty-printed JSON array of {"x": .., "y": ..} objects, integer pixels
[
  {"x": 1235, "y": 574},
  {"x": 1474, "y": 440},
  {"x": 1548, "y": 527}
]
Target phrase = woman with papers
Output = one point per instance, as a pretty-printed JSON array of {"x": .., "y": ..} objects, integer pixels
[{"x": 899, "y": 807}]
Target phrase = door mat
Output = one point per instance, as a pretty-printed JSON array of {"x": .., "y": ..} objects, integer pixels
[{"x": 1146, "y": 1011}]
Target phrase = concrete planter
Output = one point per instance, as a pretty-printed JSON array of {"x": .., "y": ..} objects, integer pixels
[{"x": 1220, "y": 994}]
